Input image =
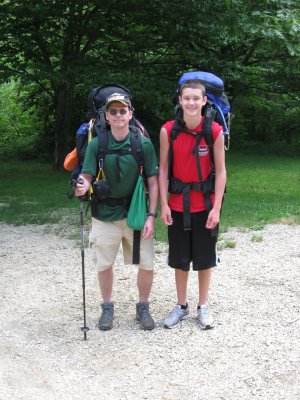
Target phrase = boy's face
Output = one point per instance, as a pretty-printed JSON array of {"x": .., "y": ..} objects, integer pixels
[
  {"x": 118, "y": 115},
  {"x": 192, "y": 101}
]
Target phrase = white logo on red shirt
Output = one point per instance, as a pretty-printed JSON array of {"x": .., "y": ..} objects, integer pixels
[{"x": 203, "y": 150}]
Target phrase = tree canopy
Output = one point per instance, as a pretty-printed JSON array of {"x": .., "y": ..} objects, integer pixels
[{"x": 61, "y": 49}]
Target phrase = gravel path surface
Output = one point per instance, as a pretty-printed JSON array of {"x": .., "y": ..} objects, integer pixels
[{"x": 253, "y": 352}]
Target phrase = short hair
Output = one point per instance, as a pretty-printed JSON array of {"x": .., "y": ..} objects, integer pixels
[{"x": 192, "y": 84}]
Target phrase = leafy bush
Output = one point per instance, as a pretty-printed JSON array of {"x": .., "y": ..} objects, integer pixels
[{"x": 19, "y": 123}]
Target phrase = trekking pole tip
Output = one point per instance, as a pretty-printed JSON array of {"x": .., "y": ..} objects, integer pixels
[{"x": 85, "y": 329}]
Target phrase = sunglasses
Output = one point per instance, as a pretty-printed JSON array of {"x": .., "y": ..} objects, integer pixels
[{"x": 115, "y": 111}]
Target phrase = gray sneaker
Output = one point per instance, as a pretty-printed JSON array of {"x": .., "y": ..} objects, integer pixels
[
  {"x": 205, "y": 319},
  {"x": 175, "y": 316},
  {"x": 143, "y": 316},
  {"x": 106, "y": 320}
]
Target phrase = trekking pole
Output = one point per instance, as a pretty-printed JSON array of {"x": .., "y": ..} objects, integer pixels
[{"x": 84, "y": 329}]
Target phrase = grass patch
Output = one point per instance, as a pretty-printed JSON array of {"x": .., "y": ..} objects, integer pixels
[
  {"x": 229, "y": 244},
  {"x": 260, "y": 190},
  {"x": 226, "y": 244},
  {"x": 35, "y": 194},
  {"x": 257, "y": 238}
]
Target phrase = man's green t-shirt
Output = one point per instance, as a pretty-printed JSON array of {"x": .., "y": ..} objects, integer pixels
[{"x": 121, "y": 172}]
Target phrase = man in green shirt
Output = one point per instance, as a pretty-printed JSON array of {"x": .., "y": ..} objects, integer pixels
[{"x": 109, "y": 227}]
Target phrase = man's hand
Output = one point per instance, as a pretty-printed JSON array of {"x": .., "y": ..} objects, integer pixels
[
  {"x": 81, "y": 187},
  {"x": 148, "y": 229}
]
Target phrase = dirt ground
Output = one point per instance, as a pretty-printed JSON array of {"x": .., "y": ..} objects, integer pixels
[{"x": 253, "y": 352}]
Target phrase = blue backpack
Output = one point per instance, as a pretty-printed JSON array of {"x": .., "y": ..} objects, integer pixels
[{"x": 218, "y": 107}]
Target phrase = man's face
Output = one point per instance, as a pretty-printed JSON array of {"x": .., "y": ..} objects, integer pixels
[{"x": 118, "y": 115}]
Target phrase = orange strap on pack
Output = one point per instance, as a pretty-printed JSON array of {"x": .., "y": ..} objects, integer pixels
[{"x": 71, "y": 160}]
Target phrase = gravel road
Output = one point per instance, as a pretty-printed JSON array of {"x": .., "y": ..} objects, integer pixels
[{"x": 253, "y": 352}]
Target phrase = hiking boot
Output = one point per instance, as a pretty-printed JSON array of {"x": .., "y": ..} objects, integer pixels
[
  {"x": 143, "y": 316},
  {"x": 205, "y": 318},
  {"x": 106, "y": 320},
  {"x": 175, "y": 316}
]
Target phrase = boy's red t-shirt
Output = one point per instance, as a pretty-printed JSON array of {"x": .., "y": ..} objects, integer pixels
[{"x": 185, "y": 168}]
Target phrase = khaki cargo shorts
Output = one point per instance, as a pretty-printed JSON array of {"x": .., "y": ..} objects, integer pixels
[{"x": 105, "y": 239}]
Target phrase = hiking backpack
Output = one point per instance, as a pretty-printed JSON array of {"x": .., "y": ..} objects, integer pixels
[
  {"x": 216, "y": 109},
  {"x": 98, "y": 126}
]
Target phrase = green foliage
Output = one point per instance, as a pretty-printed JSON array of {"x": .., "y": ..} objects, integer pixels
[
  {"x": 19, "y": 124},
  {"x": 268, "y": 123},
  {"x": 64, "y": 48}
]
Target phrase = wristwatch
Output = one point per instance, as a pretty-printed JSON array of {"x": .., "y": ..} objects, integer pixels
[{"x": 150, "y": 214}]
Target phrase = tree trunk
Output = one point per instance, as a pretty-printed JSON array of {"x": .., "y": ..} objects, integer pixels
[{"x": 63, "y": 117}]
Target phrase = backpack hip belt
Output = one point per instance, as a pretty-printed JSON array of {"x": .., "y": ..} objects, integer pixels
[
  {"x": 176, "y": 186},
  {"x": 112, "y": 202}
]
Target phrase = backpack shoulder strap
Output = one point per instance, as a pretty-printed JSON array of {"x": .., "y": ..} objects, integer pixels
[
  {"x": 177, "y": 127},
  {"x": 209, "y": 116},
  {"x": 100, "y": 129},
  {"x": 136, "y": 147}
]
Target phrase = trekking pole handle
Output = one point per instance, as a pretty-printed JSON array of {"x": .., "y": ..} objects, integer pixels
[
  {"x": 75, "y": 181},
  {"x": 81, "y": 182}
]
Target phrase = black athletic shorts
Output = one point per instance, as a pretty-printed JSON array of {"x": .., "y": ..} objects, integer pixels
[{"x": 197, "y": 245}]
